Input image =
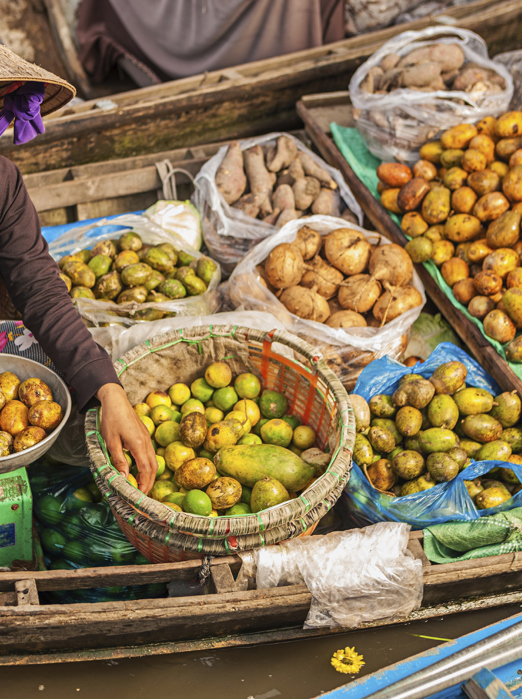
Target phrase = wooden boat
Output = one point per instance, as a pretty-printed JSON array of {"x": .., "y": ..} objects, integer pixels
[
  {"x": 317, "y": 113},
  {"x": 235, "y": 102},
  {"x": 504, "y": 682},
  {"x": 32, "y": 633}
]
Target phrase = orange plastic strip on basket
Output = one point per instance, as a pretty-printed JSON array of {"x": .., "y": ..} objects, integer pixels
[{"x": 313, "y": 378}]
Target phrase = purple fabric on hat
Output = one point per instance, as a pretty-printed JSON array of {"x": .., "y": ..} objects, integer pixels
[{"x": 23, "y": 105}]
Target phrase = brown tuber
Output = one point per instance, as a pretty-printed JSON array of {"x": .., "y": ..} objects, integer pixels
[
  {"x": 359, "y": 293},
  {"x": 391, "y": 264},
  {"x": 322, "y": 278},
  {"x": 284, "y": 266},
  {"x": 305, "y": 303},
  {"x": 346, "y": 319},
  {"x": 230, "y": 176},
  {"x": 285, "y": 153},
  {"x": 395, "y": 302},
  {"x": 308, "y": 241},
  {"x": 348, "y": 250}
]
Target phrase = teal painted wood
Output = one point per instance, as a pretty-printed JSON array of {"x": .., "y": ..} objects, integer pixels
[
  {"x": 366, "y": 686},
  {"x": 486, "y": 684}
]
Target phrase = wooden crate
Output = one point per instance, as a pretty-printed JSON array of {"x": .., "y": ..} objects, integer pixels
[
  {"x": 32, "y": 633},
  {"x": 236, "y": 102},
  {"x": 317, "y": 112}
]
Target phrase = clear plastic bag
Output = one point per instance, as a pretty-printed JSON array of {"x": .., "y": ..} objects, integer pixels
[
  {"x": 78, "y": 530},
  {"x": 397, "y": 124},
  {"x": 346, "y": 351},
  {"x": 355, "y": 576},
  {"x": 445, "y": 502},
  {"x": 98, "y": 312},
  {"x": 512, "y": 60},
  {"x": 178, "y": 217},
  {"x": 228, "y": 232}
]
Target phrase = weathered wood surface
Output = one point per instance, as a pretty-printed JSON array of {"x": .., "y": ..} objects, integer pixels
[
  {"x": 483, "y": 351},
  {"x": 246, "y": 100}
]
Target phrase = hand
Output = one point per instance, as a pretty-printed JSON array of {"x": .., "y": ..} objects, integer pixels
[{"x": 122, "y": 429}]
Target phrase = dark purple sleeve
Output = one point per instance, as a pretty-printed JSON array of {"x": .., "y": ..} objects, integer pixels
[{"x": 31, "y": 277}]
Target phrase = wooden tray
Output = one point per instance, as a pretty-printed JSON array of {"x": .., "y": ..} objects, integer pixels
[
  {"x": 236, "y": 102},
  {"x": 317, "y": 112},
  {"x": 31, "y": 633}
]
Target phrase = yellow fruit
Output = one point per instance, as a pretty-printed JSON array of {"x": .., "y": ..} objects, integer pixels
[
  {"x": 304, "y": 437},
  {"x": 218, "y": 375},
  {"x": 158, "y": 398},
  {"x": 14, "y": 417},
  {"x": 179, "y": 393},
  {"x": 176, "y": 454},
  {"x": 247, "y": 385},
  {"x": 160, "y": 413},
  {"x": 161, "y": 489},
  {"x": 132, "y": 480},
  {"x": 213, "y": 415},
  {"x": 173, "y": 506},
  {"x": 148, "y": 424},
  {"x": 31, "y": 391},
  {"x": 166, "y": 433},
  {"x": 9, "y": 383},
  {"x": 161, "y": 466},
  {"x": 192, "y": 405},
  {"x": 213, "y": 513},
  {"x": 142, "y": 409},
  {"x": 250, "y": 408},
  {"x": 245, "y": 423}
]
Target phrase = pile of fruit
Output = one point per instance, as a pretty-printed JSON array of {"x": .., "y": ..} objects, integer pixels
[
  {"x": 429, "y": 430},
  {"x": 462, "y": 206},
  {"x": 129, "y": 271},
  {"x": 340, "y": 279},
  {"x": 28, "y": 413},
  {"x": 227, "y": 449},
  {"x": 277, "y": 184}
]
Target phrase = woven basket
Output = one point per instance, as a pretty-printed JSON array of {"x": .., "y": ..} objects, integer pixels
[{"x": 315, "y": 395}]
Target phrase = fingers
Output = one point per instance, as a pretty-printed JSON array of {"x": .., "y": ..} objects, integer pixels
[
  {"x": 143, "y": 453},
  {"x": 118, "y": 459}
]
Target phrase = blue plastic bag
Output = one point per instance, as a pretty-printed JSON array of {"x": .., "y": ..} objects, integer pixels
[{"x": 444, "y": 502}]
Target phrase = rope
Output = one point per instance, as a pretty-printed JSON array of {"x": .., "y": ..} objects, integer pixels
[
  {"x": 204, "y": 571},
  {"x": 167, "y": 173}
]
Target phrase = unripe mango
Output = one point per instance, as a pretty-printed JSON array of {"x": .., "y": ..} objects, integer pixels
[
  {"x": 473, "y": 401},
  {"x": 442, "y": 467},
  {"x": 408, "y": 465},
  {"x": 437, "y": 439},
  {"x": 508, "y": 409},
  {"x": 408, "y": 421},
  {"x": 482, "y": 428},
  {"x": 449, "y": 377},
  {"x": 443, "y": 412},
  {"x": 494, "y": 451}
]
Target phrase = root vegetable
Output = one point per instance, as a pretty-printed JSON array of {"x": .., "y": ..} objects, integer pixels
[
  {"x": 415, "y": 57},
  {"x": 487, "y": 283},
  {"x": 283, "y": 198},
  {"x": 322, "y": 278},
  {"x": 394, "y": 174},
  {"x": 420, "y": 75},
  {"x": 312, "y": 169},
  {"x": 271, "y": 219},
  {"x": 285, "y": 216},
  {"x": 449, "y": 56},
  {"x": 359, "y": 293},
  {"x": 480, "y": 306},
  {"x": 305, "y": 191},
  {"x": 285, "y": 153},
  {"x": 284, "y": 177},
  {"x": 394, "y": 302},
  {"x": 248, "y": 204},
  {"x": 348, "y": 250},
  {"x": 346, "y": 319},
  {"x": 230, "y": 176},
  {"x": 284, "y": 266},
  {"x": 412, "y": 194},
  {"x": 308, "y": 241},
  {"x": 349, "y": 216},
  {"x": 499, "y": 326},
  {"x": 305, "y": 303},
  {"x": 464, "y": 290},
  {"x": 258, "y": 177},
  {"x": 454, "y": 270},
  {"x": 326, "y": 203},
  {"x": 391, "y": 264},
  {"x": 390, "y": 61},
  {"x": 296, "y": 170}
]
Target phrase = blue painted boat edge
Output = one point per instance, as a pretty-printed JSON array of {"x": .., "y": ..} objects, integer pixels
[
  {"x": 50, "y": 233},
  {"x": 368, "y": 685}
]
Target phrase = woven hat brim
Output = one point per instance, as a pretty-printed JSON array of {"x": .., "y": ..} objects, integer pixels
[{"x": 15, "y": 69}]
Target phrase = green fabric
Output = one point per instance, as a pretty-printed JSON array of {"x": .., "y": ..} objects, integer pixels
[
  {"x": 364, "y": 164},
  {"x": 486, "y": 536}
]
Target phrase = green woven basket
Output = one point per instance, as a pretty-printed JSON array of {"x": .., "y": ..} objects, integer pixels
[{"x": 313, "y": 392}]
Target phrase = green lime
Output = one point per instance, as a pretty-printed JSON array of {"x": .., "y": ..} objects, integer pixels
[
  {"x": 257, "y": 428},
  {"x": 247, "y": 386},
  {"x": 225, "y": 399},
  {"x": 148, "y": 424},
  {"x": 246, "y": 494},
  {"x": 94, "y": 491},
  {"x": 59, "y": 564},
  {"x": 201, "y": 390},
  {"x": 73, "y": 526},
  {"x": 273, "y": 404},
  {"x": 240, "y": 508},
  {"x": 292, "y": 420},
  {"x": 250, "y": 439},
  {"x": 49, "y": 509},
  {"x": 179, "y": 393},
  {"x": 193, "y": 405},
  {"x": 154, "y": 445},
  {"x": 196, "y": 502},
  {"x": 277, "y": 432},
  {"x": 53, "y": 542},
  {"x": 175, "y": 498},
  {"x": 218, "y": 375},
  {"x": 76, "y": 552},
  {"x": 167, "y": 433},
  {"x": 161, "y": 466},
  {"x": 161, "y": 489},
  {"x": 96, "y": 516},
  {"x": 122, "y": 552},
  {"x": 176, "y": 416},
  {"x": 80, "y": 498},
  {"x": 160, "y": 414}
]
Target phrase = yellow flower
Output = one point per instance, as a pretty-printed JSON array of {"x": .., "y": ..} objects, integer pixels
[
  {"x": 10, "y": 337},
  {"x": 347, "y": 661}
]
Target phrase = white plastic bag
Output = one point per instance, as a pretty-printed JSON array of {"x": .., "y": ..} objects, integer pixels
[
  {"x": 228, "y": 232},
  {"x": 347, "y": 351},
  {"x": 512, "y": 60},
  {"x": 395, "y": 125},
  {"x": 355, "y": 576},
  {"x": 178, "y": 217},
  {"x": 98, "y": 312}
]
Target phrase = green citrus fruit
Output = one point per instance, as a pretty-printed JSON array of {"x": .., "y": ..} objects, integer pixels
[
  {"x": 257, "y": 428},
  {"x": 167, "y": 475},
  {"x": 161, "y": 466},
  {"x": 179, "y": 393},
  {"x": 292, "y": 420},
  {"x": 213, "y": 415},
  {"x": 273, "y": 404},
  {"x": 140, "y": 560},
  {"x": 250, "y": 439},
  {"x": 122, "y": 553},
  {"x": 176, "y": 454},
  {"x": 173, "y": 506},
  {"x": 160, "y": 414},
  {"x": 148, "y": 424},
  {"x": 167, "y": 433},
  {"x": 295, "y": 450},
  {"x": 240, "y": 508},
  {"x": 277, "y": 432},
  {"x": 196, "y": 502},
  {"x": 161, "y": 489},
  {"x": 96, "y": 516},
  {"x": 49, "y": 509},
  {"x": 52, "y": 542},
  {"x": 304, "y": 437},
  {"x": 94, "y": 491},
  {"x": 158, "y": 398},
  {"x": 142, "y": 409},
  {"x": 201, "y": 390},
  {"x": 225, "y": 398},
  {"x": 246, "y": 494},
  {"x": 176, "y": 416},
  {"x": 160, "y": 451},
  {"x": 218, "y": 375},
  {"x": 80, "y": 498},
  {"x": 247, "y": 386},
  {"x": 60, "y": 564},
  {"x": 73, "y": 526},
  {"x": 192, "y": 405},
  {"x": 249, "y": 408},
  {"x": 75, "y": 551},
  {"x": 176, "y": 498}
]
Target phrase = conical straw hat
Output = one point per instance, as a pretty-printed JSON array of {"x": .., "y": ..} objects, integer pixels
[{"x": 14, "y": 69}]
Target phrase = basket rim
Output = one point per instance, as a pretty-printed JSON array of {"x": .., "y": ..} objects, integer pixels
[{"x": 173, "y": 521}]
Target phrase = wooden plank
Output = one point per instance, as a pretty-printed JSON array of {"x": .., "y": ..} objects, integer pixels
[
  {"x": 222, "y": 579},
  {"x": 483, "y": 351},
  {"x": 416, "y": 549},
  {"x": 26, "y": 593}
]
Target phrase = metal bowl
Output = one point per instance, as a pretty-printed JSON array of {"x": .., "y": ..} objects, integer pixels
[{"x": 27, "y": 369}]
